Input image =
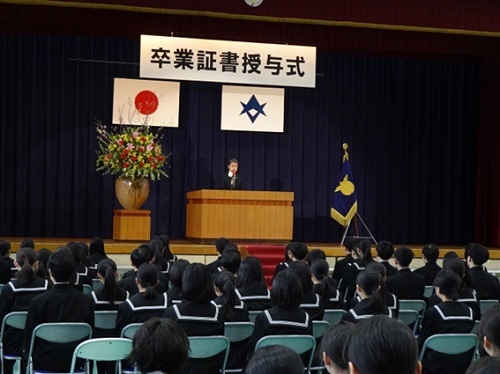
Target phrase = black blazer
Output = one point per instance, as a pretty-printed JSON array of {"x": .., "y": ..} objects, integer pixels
[
  {"x": 406, "y": 285},
  {"x": 226, "y": 182},
  {"x": 429, "y": 271},
  {"x": 486, "y": 285}
]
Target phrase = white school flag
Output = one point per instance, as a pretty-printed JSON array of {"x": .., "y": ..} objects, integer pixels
[
  {"x": 135, "y": 100},
  {"x": 252, "y": 109}
]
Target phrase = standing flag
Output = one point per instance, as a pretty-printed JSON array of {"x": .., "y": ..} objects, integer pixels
[
  {"x": 344, "y": 205},
  {"x": 141, "y": 101},
  {"x": 252, "y": 109}
]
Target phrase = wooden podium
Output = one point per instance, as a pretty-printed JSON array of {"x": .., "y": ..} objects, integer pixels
[
  {"x": 248, "y": 215},
  {"x": 129, "y": 224}
]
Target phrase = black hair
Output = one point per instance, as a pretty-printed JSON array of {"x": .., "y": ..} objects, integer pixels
[
  {"x": 448, "y": 282},
  {"x": 197, "y": 283},
  {"x": 490, "y": 325},
  {"x": 382, "y": 345},
  {"x": 333, "y": 342},
  {"x": 167, "y": 253},
  {"x": 61, "y": 265},
  {"x": 479, "y": 254},
  {"x": 84, "y": 251},
  {"x": 385, "y": 250},
  {"x": 287, "y": 290},
  {"x": 431, "y": 253},
  {"x": 315, "y": 254},
  {"x": 27, "y": 243},
  {"x": 382, "y": 271},
  {"x": 484, "y": 365},
  {"x": 25, "y": 258},
  {"x": 140, "y": 255},
  {"x": 467, "y": 249},
  {"x": 328, "y": 287},
  {"x": 43, "y": 255},
  {"x": 4, "y": 247},
  {"x": 176, "y": 271},
  {"x": 224, "y": 281},
  {"x": 350, "y": 243},
  {"x": 299, "y": 250},
  {"x": 220, "y": 243},
  {"x": 365, "y": 247},
  {"x": 231, "y": 160},
  {"x": 404, "y": 256},
  {"x": 370, "y": 282},
  {"x": 458, "y": 266},
  {"x": 107, "y": 269},
  {"x": 250, "y": 271},
  {"x": 75, "y": 251},
  {"x": 160, "y": 344},
  {"x": 156, "y": 250},
  {"x": 148, "y": 276},
  {"x": 96, "y": 246},
  {"x": 275, "y": 359},
  {"x": 449, "y": 256},
  {"x": 303, "y": 272},
  {"x": 230, "y": 261}
]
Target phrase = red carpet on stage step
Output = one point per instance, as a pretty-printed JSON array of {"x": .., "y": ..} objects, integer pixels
[{"x": 269, "y": 255}]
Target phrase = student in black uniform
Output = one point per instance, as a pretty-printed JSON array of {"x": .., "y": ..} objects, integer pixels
[
  {"x": 231, "y": 307},
  {"x": 220, "y": 244},
  {"x": 430, "y": 254},
  {"x": 332, "y": 348},
  {"x": 42, "y": 270},
  {"x": 486, "y": 285},
  {"x": 140, "y": 255},
  {"x": 230, "y": 261},
  {"x": 62, "y": 303},
  {"x": 145, "y": 304},
  {"x": 295, "y": 251},
  {"x": 382, "y": 345},
  {"x": 176, "y": 271},
  {"x": 389, "y": 299},
  {"x": 447, "y": 317},
  {"x": 349, "y": 246},
  {"x": 385, "y": 251},
  {"x": 82, "y": 272},
  {"x": 315, "y": 254},
  {"x": 406, "y": 285},
  {"x": 351, "y": 271},
  {"x": 109, "y": 296},
  {"x": 368, "y": 285},
  {"x": 96, "y": 250},
  {"x": 16, "y": 296},
  {"x": 311, "y": 302},
  {"x": 489, "y": 331},
  {"x": 325, "y": 286},
  {"x": 250, "y": 285},
  {"x": 285, "y": 316},
  {"x": 231, "y": 180}
]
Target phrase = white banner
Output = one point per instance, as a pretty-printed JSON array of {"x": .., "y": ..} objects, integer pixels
[
  {"x": 227, "y": 62},
  {"x": 138, "y": 100},
  {"x": 252, "y": 109}
]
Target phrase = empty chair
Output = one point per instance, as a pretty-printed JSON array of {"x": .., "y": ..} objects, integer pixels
[
  {"x": 15, "y": 320},
  {"x": 333, "y": 316},
  {"x": 302, "y": 344}
]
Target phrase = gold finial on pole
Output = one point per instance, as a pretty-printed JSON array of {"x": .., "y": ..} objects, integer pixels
[{"x": 346, "y": 155}]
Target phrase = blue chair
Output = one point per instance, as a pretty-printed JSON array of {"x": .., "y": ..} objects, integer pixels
[
  {"x": 410, "y": 318},
  {"x": 209, "y": 346},
  {"x": 130, "y": 330},
  {"x": 105, "y": 319},
  {"x": 451, "y": 344},
  {"x": 333, "y": 316},
  {"x": 252, "y": 314},
  {"x": 237, "y": 332},
  {"x": 16, "y": 320},
  {"x": 485, "y": 304},
  {"x": 299, "y": 343}
]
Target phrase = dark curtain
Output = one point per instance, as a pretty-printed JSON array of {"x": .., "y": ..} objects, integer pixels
[{"x": 411, "y": 124}]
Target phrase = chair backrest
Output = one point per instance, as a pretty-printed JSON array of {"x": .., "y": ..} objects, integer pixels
[
  {"x": 298, "y": 343},
  {"x": 103, "y": 349},
  {"x": 319, "y": 328},
  {"x": 14, "y": 319},
  {"x": 417, "y": 305},
  {"x": 452, "y": 344},
  {"x": 409, "y": 318},
  {"x": 96, "y": 284},
  {"x": 130, "y": 330},
  {"x": 485, "y": 304},
  {"x": 428, "y": 291},
  {"x": 238, "y": 331},
  {"x": 252, "y": 314},
  {"x": 209, "y": 346},
  {"x": 87, "y": 289},
  {"x": 105, "y": 319},
  {"x": 333, "y": 316}
]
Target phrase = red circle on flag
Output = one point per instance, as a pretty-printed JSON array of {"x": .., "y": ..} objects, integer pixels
[{"x": 146, "y": 102}]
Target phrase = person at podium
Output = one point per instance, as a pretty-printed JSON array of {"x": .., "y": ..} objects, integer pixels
[{"x": 231, "y": 180}]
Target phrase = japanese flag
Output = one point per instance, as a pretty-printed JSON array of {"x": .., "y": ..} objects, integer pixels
[
  {"x": 139, "y": 101},
  {"x": 252, "y": 109}
]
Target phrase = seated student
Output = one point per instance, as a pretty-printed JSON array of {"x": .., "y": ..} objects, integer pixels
[
  {"x": 109, "y": 296},
  {"x": 315, "y": 254},
  {"x": 368, "y": 284},
  {"x": 16, "y": 296},
  {"x": 285, "y": 316},
  {"x": 231, "y": 180},
  {"x": 389, "y": 299},
  {"x": 484, "y": 365},
  {"x": 489, "y": 331},
  {"x": 447, "y": 317},
  {"x": 96, "y": 250},
  {"x": 326, "y": 286},
  {"x": 363, "y": 255},
  {"x": 385, "y": 251},
  {"x": 82, "y": 272},
  {"x": 466, "y": 294},
  {"x": 62, "y": 303},
  {"x": 176, "y": 271},
  {"x": 311, "y": 302},
  {"x": 160, "y": 346},
  {"x": 231, "y": 307},
  {"x": 155, "y": 246},
  {"x": 275, "y": 359},
  {"x": 487, "y": 286},
  {"x": 332, "y": 348},
  {"x": 382, "y": 345},
  {"x": 430, "y": 254},
  {"x": 406, "y": 285},
  {"x": 5, "y": 256},
  {"x": 220, "y": 244},
  {"x": 139, "y": 256},
  {"x": 230, "y": 261},
  {"x": 250, "y": 285},
  {"x": 294, "y": 251},
  {"x": 42, "y": 270},
  {"x": 349, "y": 245},
  {"x": 146, "y": 303}
]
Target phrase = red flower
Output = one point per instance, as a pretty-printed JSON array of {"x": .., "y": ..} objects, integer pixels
[
  {"x": 141, "y": 164},
  {"x": 141, "y": 149},
  {"x": 143, "y": 139},
  {"x": 150, "y": 158},
  {"x": 153, "y": 165},
  {"x": 134, "y": 158},
  {"x": 125, "y": 164}
]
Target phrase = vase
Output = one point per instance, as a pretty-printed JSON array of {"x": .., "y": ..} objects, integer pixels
[{"x": 132, "y": 194}]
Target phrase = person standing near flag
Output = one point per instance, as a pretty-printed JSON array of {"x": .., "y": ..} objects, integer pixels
[{"x": 231, "y": 180}]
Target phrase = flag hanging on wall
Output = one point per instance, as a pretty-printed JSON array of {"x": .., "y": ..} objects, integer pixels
[
  {"x": 136, "y": 101},
  {"x": 247, "y": 108},
  {"x": 344, "y": 204}
]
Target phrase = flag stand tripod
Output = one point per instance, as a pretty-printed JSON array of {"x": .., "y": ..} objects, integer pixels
[{"x": 356, "y": 229}]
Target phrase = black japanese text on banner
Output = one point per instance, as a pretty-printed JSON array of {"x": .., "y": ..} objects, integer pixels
[{"x": 227, "y": 62}]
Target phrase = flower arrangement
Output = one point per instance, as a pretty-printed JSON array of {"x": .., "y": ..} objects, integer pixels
[{"x": 132, "y": 152}]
